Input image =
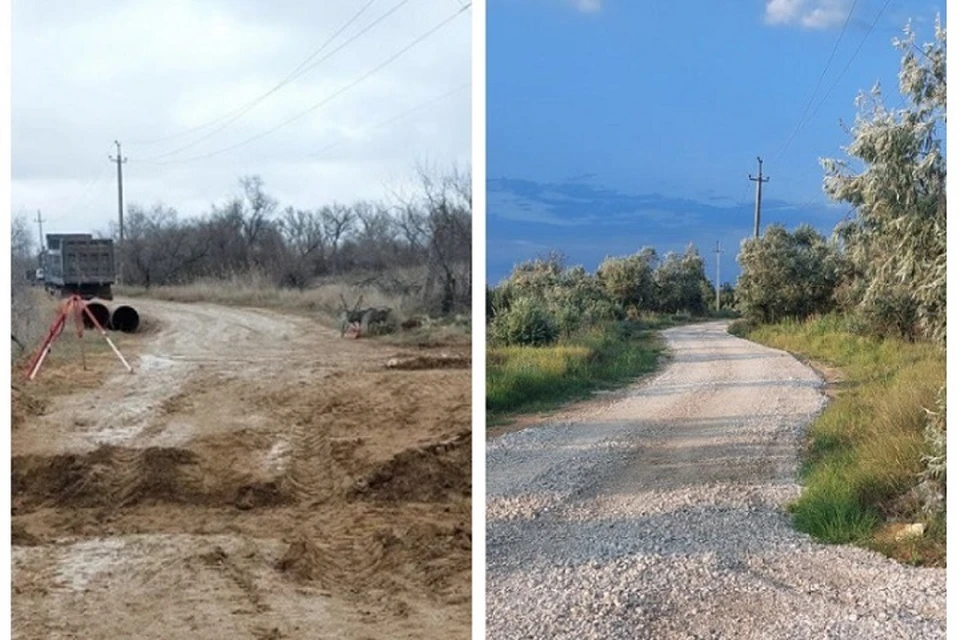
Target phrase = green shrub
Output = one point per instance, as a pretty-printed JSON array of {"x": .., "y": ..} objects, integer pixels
[
  {"x": 680, "y": 283},
  {"x": 892, "y": 315},
  {"x": 628, "y": 280},
  {"x": 498, "y": 301},
  {"x": 741, "y": 328},
  {"x": 525, "y": 322},
  {"x": 786, "y": 275}
]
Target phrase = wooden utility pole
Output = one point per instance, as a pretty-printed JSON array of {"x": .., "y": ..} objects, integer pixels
[
  {"x": 120, "y": 160},
  {"x": 759, "y": 180},
  {"x": 718, "y": 252},
  {"x": 40, "y": 229}
]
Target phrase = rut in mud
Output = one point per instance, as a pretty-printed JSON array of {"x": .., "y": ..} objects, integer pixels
[{"x": 257, "y": 477}]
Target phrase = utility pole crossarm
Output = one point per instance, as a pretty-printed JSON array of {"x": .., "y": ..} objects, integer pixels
[{"x": 759, "y": 180}]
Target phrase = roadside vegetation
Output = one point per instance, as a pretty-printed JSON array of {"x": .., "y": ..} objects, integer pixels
[
  {"x": 864, "y": 474},
  {"x": 871, "y": 301},
  {"x": 30, "y": 309},
  {"x": 557, "y": 333},
  {"x": 411, "y": 253},
  {"x": 523, "y": 378},
  {"x": 409, "y": 324}
]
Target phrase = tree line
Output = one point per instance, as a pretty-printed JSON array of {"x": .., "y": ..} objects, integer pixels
[
  {"x": 429, "y": 233},
  {"x": 543, "y": 300}
]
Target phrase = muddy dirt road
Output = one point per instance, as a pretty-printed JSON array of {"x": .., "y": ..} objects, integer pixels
[
  {"x": 661, "y": 515},
  {"x": 258, "y": 477}
]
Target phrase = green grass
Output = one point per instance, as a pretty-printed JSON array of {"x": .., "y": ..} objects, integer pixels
[
  {"x": 864, "y": 451},
  {"x": 530, "y": 379}
]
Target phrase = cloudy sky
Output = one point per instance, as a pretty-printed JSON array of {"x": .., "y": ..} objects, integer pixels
[
  {"x": 614, "y": 124},
  {"x": 173, "y": 81}
]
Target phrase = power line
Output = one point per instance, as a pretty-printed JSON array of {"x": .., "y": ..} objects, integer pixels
[
  {"x": 836, "y": 81},
  {"x": 852, "y": 58},
  {"x": 400, "y": 116},
  {"x": 813, "y": 95},
  {"x": 286, "y": 79},
  {"x": 83, "y": 195},
  {"x": 293, "y": 76},
  {"x": 329, "y": 98}
]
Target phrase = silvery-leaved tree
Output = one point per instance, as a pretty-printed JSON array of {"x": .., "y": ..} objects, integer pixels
[
  {"x": 629, "y": 279},
  {"x": 897, "y": 240},
  {"x": 896, "y": 181},
  {"x": 681, "y": 284},
  {"x": 786, "y": 275}
]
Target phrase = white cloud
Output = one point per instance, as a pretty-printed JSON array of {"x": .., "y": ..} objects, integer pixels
[
  {"x": 783, "y": 11},
  {"x": 588, "y": 6},
  {"x": 809, "y": 14}
]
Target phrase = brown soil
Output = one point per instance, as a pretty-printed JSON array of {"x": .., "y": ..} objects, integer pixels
[{"x": 257, "y": 477}]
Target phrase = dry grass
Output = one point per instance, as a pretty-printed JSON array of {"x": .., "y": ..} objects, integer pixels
[
  {"x": 256, "y": 290},
  {"x": 323, "y": 299},
  {"x": 31, "y": 312}
]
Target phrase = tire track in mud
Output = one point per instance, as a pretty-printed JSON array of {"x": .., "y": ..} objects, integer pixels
[{"x": 238, "y": 460}]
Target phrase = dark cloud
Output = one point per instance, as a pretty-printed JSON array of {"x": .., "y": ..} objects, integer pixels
[{"x": 588, "y": 221}]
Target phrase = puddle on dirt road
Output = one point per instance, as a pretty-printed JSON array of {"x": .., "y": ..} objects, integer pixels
[
  {"x": 150, "y": 363},
  {"x": 83, "y": 561}
]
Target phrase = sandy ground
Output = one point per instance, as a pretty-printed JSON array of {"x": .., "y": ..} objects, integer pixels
[
  {"x": 660, "y": 513},
  {"x": 257, "y": 477}
]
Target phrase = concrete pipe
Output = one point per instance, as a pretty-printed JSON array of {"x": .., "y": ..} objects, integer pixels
[
  {"x": 100, "y": 312},
  {"x": 125, "y": 319}
]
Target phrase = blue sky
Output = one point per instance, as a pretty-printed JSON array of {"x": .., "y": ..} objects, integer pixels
[{"x": 614, "y": 124}]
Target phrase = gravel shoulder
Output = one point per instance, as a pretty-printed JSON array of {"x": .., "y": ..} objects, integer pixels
[{"x": 661, "y": 515}]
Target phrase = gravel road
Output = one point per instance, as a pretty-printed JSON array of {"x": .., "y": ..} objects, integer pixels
[{"x": 661, "y": 515}]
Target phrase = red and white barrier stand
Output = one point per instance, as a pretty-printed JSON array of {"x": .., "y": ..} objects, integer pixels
[{"x": 77, "y": 307}]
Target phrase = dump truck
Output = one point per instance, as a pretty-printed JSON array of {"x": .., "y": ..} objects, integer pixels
[{"x": 79, "y": 264}]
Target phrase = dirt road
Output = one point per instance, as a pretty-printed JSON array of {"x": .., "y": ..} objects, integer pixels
[
  {"x": 257, "y": 477},
  {"x": 661, "y": 515}
]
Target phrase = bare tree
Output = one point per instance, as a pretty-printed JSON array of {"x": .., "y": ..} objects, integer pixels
[
  {"x": 26, "y": 325},
  {"x": 338, "y": 223},
  {"x": 448, "y": 200},
  {"x": 158, "y": 249}
]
